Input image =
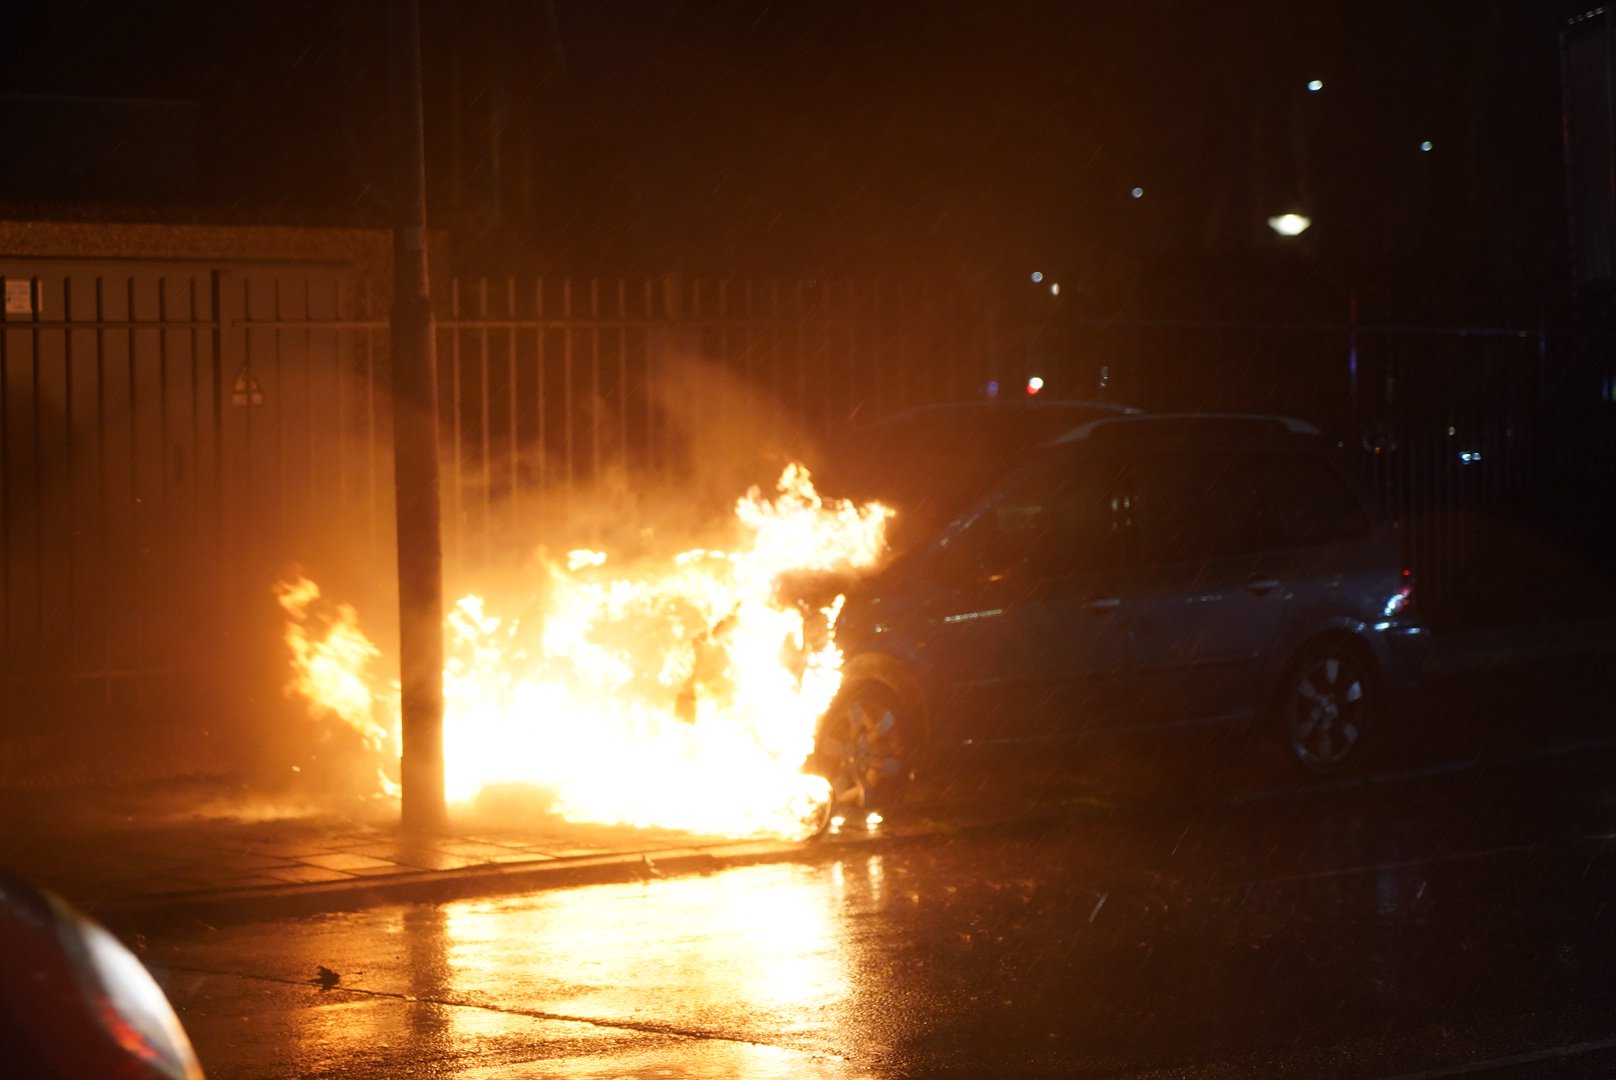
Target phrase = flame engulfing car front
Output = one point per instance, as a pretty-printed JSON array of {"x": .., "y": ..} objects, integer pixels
[{"x": 679, "y": 689}]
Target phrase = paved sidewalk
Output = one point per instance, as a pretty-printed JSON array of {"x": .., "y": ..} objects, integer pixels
[
  {"x": 154, "y": 862},
  {"x": 203, "y": 850}
]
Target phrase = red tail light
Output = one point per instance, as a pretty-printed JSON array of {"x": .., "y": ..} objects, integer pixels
[{"x": 1401, "y": 603}]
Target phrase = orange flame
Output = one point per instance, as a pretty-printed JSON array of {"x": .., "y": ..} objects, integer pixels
[
  {"x": 331, "y": 658},
  {"x": 683, "y": 695}
]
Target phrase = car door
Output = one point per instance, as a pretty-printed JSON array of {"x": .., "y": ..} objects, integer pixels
[
  {"x": 1032, "y": 642},
  {"x": 1207, "y": 601}
]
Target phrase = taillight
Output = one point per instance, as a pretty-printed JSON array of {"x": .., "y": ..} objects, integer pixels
[{"x": 1402, "y": 601}]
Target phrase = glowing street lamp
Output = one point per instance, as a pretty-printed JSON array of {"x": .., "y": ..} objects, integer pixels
[{"x": 1292, "y": 224}]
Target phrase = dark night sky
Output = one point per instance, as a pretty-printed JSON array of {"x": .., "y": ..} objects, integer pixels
[
  {"x": 970, "y": 134},
  {"x": 901, "y": 136}
]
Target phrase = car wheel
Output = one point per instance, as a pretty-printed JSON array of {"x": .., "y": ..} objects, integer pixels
[
  {"x": 1326, "y": 703},
  {"x": 866, "y": 747}
]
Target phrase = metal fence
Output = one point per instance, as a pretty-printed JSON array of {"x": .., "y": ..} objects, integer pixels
[
  {"x": 170, "y": 442},
  {"x": 163, "y": 438}
]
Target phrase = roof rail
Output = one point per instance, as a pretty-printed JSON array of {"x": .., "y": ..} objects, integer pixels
[
  {"x": 1010, "y": 405},
  {"x": 1138, "y": 421}
]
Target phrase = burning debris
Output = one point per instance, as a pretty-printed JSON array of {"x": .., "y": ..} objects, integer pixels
[
  {"x": 331, "y": 667},
  {"x": 680, "y": 693}
]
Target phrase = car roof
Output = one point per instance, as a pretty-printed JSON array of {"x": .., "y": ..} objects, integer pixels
[{"x": 963, "y": 438}]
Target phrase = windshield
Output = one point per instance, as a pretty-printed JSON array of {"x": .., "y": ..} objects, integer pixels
[{"x": 929, "y": 464}]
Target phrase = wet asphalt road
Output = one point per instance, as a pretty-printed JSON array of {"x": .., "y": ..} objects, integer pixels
[{"x": 1193, "y": 912}]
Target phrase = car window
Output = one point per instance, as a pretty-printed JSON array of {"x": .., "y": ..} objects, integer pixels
[
  {"x": 1306, "y": 502},
  {"x": 1194, "y": 505},
  {"x": 1059, "y": 518},
  {"x": 932, "y": 465}
]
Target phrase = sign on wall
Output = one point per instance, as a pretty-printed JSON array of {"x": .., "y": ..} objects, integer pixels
[{"x": 19, "y": 298}]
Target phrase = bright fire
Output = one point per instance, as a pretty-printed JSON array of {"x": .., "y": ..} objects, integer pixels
[{"x": 683, "y": 695}]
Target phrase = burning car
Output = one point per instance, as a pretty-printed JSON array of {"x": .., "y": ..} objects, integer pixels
[{"x": 1137, "y": 571}]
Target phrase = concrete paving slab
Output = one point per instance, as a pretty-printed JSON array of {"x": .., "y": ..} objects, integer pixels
[
  {"x": 379, "y": 871},
  {"x": 239, "y": 883},
  {"x": 304, "y": 875},
  {"x": 436, "y": 860},
  {"x": 248, "y": 861},
  {"x": 348, "y": 861}
]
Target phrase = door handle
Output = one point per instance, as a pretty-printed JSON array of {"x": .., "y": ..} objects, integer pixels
[
  {"x": 1102, "y": 603},
  {"x": 1261, "y": 585}
]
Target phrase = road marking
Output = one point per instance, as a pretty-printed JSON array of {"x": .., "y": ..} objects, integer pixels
[{"x": 1568, "y": 1050}]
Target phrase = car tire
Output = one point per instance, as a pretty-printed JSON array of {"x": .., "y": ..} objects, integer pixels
[
  {"x": 1328, "y": 702},
  {"x": 867, "y": 747}
]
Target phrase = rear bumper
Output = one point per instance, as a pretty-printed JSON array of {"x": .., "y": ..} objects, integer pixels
[{"x": 1404, "y": 648}]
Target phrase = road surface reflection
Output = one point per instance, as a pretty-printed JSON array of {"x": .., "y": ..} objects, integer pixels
[
  {"x": 748, "y": 972},
  {"x": 766, "y": 935}
]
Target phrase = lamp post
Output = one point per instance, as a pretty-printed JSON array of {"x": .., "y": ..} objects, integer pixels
[{"x": 415, "y": 444}]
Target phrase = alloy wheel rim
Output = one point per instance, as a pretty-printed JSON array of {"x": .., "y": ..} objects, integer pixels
[
  {"x": 868, "y": 753},
  {"x": 1325, "y": 724}
]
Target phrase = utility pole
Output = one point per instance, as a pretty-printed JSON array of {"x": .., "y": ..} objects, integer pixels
[{"x": 415, "y": 443}]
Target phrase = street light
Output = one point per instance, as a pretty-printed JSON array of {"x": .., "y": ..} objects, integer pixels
[{"x": 1291, "y": 224}]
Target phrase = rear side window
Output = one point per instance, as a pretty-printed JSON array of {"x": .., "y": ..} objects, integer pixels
[
  {"x": 1195, "y": 505},
  {"x": 1305, "y": 502}
]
